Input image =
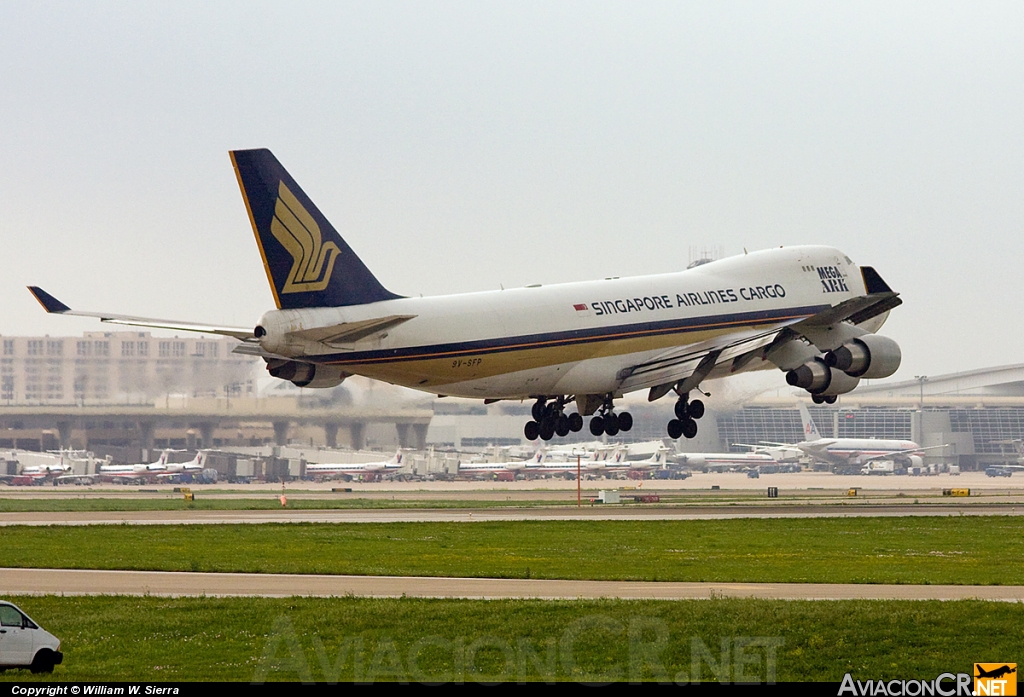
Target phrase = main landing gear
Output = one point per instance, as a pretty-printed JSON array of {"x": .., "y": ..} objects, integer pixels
[
  {"x": 608, "y": 422},
  {"x": 824, "y": 398},
  {"x": 687, "y": 414},
  {"x": 549, "y": 419}
]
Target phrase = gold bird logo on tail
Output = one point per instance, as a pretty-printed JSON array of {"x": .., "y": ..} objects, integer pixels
[{"x": 298, "y": 233}]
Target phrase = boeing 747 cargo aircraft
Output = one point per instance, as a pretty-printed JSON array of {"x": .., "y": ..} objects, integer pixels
[{"x": 809, "y": 311}]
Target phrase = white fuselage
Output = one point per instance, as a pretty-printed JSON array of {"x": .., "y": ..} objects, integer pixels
[
  {"x": 856, "y": 450},
  {"x": 714, "y": 460},
  {"x": 572, "y": 338},
  {"x": 340, "y": 468}
]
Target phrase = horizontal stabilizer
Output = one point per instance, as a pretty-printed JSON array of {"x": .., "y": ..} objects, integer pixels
[
  {"x": 349, "y": 332},
  {"x": 52, "y": 305}
]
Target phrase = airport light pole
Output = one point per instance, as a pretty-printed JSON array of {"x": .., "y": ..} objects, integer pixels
[
  {"x": 921, "y": 380},
  {"x": 579, "y": 491}
]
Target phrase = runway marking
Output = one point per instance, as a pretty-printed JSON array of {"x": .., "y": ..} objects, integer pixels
[{"x": 186, "y": 584}]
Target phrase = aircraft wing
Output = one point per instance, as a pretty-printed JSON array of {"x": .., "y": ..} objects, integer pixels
[
  {"x": 686, "y": 367},
  {"x": 771, "y": 446},
  {"x": 54, "y": 306},
  {"x": 74, "y": 478},
  {"x": 896, "y": 453},
  {"x": 693, "y": 364}
]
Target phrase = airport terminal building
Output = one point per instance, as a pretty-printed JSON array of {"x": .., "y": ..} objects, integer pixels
[
  {"x": 978, "y": 415},
  {"x": 120, "y": 368}
]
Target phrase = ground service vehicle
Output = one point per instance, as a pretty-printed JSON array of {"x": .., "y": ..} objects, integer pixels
[{"x": 24, "y": 644}]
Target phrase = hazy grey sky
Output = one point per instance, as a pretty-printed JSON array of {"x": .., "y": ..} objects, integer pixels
[{"x": 459, "y": 146}]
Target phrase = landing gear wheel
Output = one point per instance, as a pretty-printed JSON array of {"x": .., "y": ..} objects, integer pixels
[
  {"x": 547, "y": 429},
  {"x": 611, "y": 424},
  {"x": 695, "y": 410},
  {"x": 680, "y": 409},
  {"x": 538, "y": 410},
  {"x": 625, "y": 421},
  {"x": 689, "y": 428},
  {"x": 596, "y": 426},
  {"x": 575, "y": 423},
  {"x": 532, "y": 430},
  {"x": 675, "y": 429},
  {"x": 818, "y": 399},
  {"x": 831, "y": 399},
  {"x": 562, "y": 425}
]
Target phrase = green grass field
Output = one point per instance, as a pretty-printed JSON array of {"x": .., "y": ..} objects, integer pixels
[
  {"x": 935, "y": 550},
  {"x": 155, "y": 639}
]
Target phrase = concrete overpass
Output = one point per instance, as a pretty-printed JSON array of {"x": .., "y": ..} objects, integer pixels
[{"x": 203, "y": 416}]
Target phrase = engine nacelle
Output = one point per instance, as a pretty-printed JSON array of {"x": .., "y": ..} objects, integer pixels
[
  {"x": 819, "y": 378},
  {"x": 303, "y": 374},
  {"x": 869, "y": 356}
]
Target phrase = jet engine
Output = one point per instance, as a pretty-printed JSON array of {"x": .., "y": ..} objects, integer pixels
[
  {"x": 819, "y": 378},
  {"x": 868, "y": 356},
  {"x": 303, "y": 374}
]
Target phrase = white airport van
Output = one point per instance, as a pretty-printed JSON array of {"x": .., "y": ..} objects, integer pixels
[{"x": 24, "y": 644}]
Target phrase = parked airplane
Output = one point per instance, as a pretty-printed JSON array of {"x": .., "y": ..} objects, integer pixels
[
  {"x": 193, "y": 465},
  {"x": 44, "y": 471},
  {"x": 593, "y": 462},
  {"x": 809, "y": 311},
  {"x": 657, "y": 460},
  {"x": 722, "y": 461},
  {"x": 38, "y": 474},
  {"x": 481, "y": 469},
  {"x": 1018, "y": 447},
  {"x": 353, "y": 469},
  {"x": 139, "y": 472},
  {"x": 850, "y": 451}
]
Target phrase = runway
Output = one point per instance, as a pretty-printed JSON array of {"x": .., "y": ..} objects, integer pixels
[
  {"x": 587, "y": 512},
  {"x": 184, "y": 584}
]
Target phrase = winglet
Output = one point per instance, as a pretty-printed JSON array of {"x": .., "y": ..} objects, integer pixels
[
  {"x": 873, "y": 283},
  {"x": 49, "y": 303}
]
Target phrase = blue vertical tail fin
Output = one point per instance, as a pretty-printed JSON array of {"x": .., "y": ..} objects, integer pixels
[{"x": 308, "y": 264}]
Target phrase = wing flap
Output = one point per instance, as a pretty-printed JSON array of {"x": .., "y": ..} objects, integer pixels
[{"x": 697, "y": 361}]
